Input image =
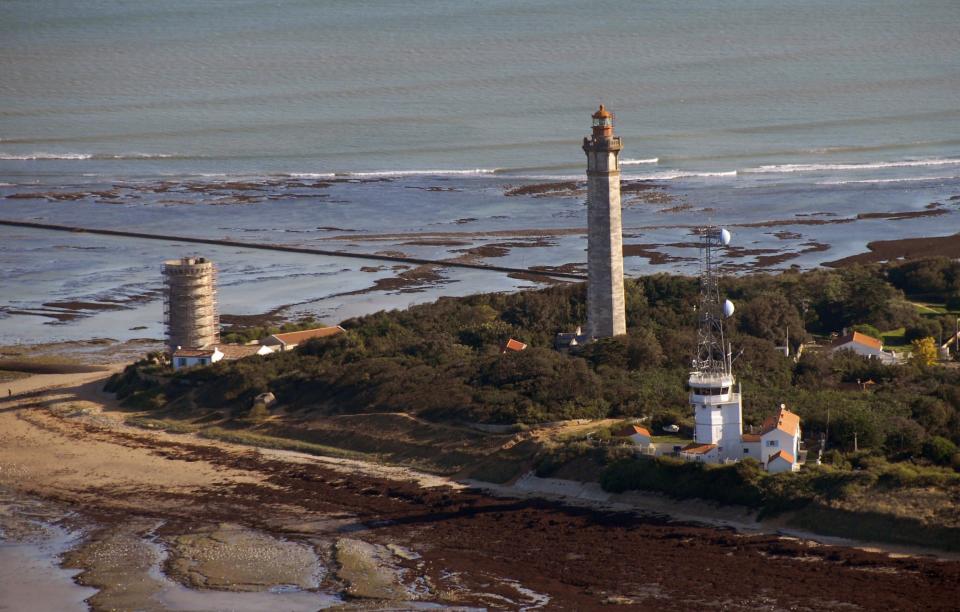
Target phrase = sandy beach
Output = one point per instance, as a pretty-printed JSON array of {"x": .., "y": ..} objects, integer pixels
[{"x": 164, "y": 521}]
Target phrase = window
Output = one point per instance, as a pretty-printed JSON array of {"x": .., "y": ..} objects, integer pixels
[
  {"x": 181, "y": 361},
  {"x": 203, "y": 362},
  {"x": 773, "y": 443},
  {"x": 746, "y": 451}
]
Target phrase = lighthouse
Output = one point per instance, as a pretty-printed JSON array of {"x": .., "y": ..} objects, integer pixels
[{"x": 605, "y": 301}]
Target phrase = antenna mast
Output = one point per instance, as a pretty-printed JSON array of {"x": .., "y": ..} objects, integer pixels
[{"x": 713, "y": 355}]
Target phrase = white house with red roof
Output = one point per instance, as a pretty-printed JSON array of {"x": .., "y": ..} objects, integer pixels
[
  {"x": 640, "y": 436},
  {"x": 705, "y": 453},
  {"x": 865, "y": 346},
  {"x": 782, "y": 461},
  {"x": 289, "y": 341},
  {"x": 186, "y": 358},
  {"x": 780, "y": 437}
]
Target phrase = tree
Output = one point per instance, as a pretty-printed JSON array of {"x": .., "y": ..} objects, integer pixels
[
  {"x": 953, "y": 302},
  {"x": 924, "y": 351},
  {"x": 771, "y": 316},
  {"x": 923, "y": 328},
  {"x": 939, "y": 450},
  {"x": 870, "y": 330}
]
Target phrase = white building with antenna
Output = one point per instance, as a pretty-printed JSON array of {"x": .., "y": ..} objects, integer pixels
[
  {"x": 714, "y": 393},
  {"x": 715, "y": 396}
]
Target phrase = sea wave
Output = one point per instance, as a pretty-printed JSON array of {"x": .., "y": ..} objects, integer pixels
[
  {"x": 893, "y": 180},
  {"x": 392, "y": 173},
  {"x": 637, "y": 162},
  {"x": 311, "y": 175},
  {"x": 908, "y": 163},
  {"x": 80, "y": 156},
  {"x": 669, "y": 175}
]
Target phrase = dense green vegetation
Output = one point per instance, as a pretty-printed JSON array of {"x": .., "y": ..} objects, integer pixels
[
  {"x": 443, "y": 362},
  {"x": 260, "y": 332}
]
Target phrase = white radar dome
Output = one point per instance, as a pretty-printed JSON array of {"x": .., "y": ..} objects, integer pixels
[
  {"x": 725, "y": 236},
  {"x": 728, "y": 308}
]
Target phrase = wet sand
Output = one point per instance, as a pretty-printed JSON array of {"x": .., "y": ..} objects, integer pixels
[
  {"x": 403, "y": 539},
  {"x": 908, "y": 248}
]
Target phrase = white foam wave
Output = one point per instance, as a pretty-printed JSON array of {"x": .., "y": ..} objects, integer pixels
[
  {"x": 670, "y": 175},
  {"x": 79, "y": 156},
  {"x": 637, "y": 162},
  {"x": 909, "y": 163},
  {"x": 311, "y": 175},
  {"x": 893, "y": 180},
  {"x": 391, "y": 173}
]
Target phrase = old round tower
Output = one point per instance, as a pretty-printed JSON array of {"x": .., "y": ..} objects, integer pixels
[{"x": 605, "y": 301}]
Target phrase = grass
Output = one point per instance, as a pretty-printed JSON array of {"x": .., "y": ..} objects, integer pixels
[
  {"x": 935, "y": 308},
  {"x": 895, "y": 337},
  {"x": 250, "y": 438},
  {"x": 167, "y": 425},
  {"x": 670, "y": 440}
]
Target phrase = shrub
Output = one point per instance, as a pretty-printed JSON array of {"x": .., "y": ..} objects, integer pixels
[
  {"x": 924, "y": 328},
  {"x": 939, "y": 450},
  {"x": 870, "y": 330}
]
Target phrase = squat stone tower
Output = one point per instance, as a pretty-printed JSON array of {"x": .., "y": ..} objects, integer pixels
[
  {"x": 190, "y": 303},
  {"x": 605, "y": 302}
]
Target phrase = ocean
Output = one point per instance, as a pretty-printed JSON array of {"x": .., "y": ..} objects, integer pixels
[{"x": 408, "y": 127}]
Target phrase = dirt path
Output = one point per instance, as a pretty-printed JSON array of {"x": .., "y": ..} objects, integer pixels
[{"x": 399, "y": 536}]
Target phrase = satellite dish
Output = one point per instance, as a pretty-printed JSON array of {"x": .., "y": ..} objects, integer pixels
[
  {"x": 725, "y": 236},
  {"x": 728, "y": 309}
]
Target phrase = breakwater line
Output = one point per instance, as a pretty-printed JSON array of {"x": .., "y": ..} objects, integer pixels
[{"x": 292, "y": 249}]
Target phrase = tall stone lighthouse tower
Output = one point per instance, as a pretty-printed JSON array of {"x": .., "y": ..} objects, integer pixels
[{"x": 605, "y": 302}]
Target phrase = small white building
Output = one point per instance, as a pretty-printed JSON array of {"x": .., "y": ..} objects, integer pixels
[
  {"x": 640, "y": 436},
  {"x": 186, "y": 358},
  {"x": 289, "y": 341},
  {"x": 779, "y": 437},
  {"x": 717, "y": 413},
  {"x": 704, "y": 453},
  {"x": 567, "y": 341},
  {"x": 865, "y": 346},
  {"x": 782, "y": 461}
]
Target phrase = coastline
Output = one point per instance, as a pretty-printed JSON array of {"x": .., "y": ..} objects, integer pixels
[{"x": 120, "y": 479}]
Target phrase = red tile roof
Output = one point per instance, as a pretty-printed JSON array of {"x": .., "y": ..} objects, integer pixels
[
  {"x": 781, "y": 455},
  {"x": 784, "y": 420},
  {"x": 749, "y": 437},
  {"x": 193, "y": 353},
  {"x": 302, "y": 336},
  {"x": 514, "y": 345},
  {"x": 630, "y": 430},
  {"x": 858, "y": 338},
  {"x": 695, "y": 448},
  {"x": 238, "y": 351}
]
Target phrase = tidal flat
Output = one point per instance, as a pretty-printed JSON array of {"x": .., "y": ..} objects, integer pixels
[
  {"x": 67, "y": 286},
  {"x": 155, "y": 520}
]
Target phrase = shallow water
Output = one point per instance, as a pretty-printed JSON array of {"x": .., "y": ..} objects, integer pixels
[
  {"x": 30, "y": 578},
  {"x": 426, "y": 113},
  {"x": 31, "y": 544}
]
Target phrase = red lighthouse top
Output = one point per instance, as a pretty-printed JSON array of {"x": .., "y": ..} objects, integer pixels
[{"x": 602, "y": 123}]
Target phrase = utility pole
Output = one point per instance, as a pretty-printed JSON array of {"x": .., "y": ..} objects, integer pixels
[
  {"x": 855, "y": 447},
  {"x": 827, "y": 434}
]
